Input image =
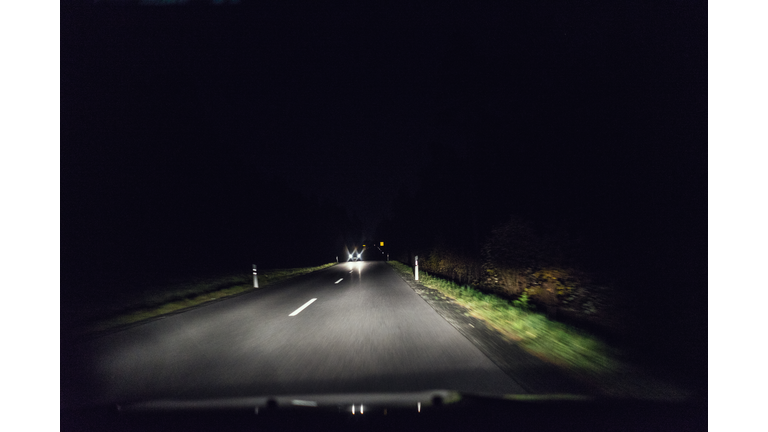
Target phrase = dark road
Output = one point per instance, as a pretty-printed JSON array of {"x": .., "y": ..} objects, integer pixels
[
  {"x": 367, "y": 331},
  {"x": 548, "y": 159}
]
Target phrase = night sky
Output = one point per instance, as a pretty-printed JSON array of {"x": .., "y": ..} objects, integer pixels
[{"x": 199, "y": 139}]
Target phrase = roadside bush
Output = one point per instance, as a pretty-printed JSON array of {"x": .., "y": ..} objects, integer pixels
[
  {"x": 452, "y": 265},
  {"x": 518, "y": 261},
  {"x": 523, "y": 302},
  {"x": 521, "y": 264},
  {"x": 511, "y": 255}
]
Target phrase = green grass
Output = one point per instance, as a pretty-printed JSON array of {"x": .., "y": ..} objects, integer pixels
[
  {"x": 162, "y": 300},
  {"x": 582, "y": 354}
]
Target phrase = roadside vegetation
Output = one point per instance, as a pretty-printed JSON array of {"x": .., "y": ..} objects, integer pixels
[
  {"x": 582, "y": 354},
  {"x": 173, "y": 297}
]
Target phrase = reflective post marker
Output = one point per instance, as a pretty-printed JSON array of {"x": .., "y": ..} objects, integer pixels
[
  {"x": 337, "y": 258},
  {"x": 255, "y": 277},
  {"x": 416, "y": 267}
]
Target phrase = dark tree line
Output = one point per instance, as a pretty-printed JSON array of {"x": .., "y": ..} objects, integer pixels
[{"x": 123, "y": 224}]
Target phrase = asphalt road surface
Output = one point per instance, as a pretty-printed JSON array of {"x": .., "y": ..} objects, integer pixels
[{"x": 365, "y": 331}]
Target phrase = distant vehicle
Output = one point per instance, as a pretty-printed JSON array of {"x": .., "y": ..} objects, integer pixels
[{"x": 356, "y": 256}]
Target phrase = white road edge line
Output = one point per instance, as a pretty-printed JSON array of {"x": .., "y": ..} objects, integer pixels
[
  {"x": 296, "y": 312},
  {"x": 339, "y": 280}
]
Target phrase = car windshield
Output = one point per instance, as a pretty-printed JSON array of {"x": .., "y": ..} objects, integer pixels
[{"x": 321, "y": 198}]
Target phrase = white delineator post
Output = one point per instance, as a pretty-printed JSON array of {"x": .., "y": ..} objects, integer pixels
[
  {"x": 255, "y": 277},
  {"x": 416, "y": 267}
]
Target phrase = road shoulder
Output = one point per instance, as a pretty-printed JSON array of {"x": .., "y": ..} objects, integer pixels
[{"x": 535, "y": 375}]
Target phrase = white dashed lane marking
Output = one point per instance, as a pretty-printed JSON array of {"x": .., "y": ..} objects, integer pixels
[{"x": 296, "y": 312}]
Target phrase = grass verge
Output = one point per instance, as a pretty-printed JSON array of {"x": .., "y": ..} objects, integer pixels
[
  {"x": 581, "y": 354},
  {"x": 163, "y": 300}
]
